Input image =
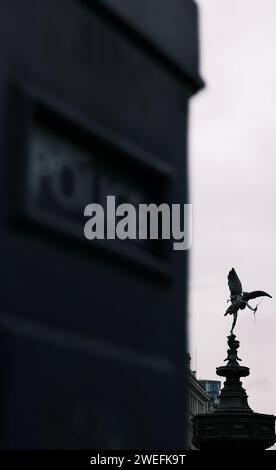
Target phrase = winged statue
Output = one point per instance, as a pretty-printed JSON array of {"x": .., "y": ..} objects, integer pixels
[{"x": 238, "y": 298}]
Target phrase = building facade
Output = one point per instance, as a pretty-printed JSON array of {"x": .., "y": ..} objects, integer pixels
[
  {"x": 198, "y": 400},
  {"x": 212, "y": 389}
]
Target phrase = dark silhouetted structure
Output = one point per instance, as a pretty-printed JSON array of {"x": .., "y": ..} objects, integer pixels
[
  {"x": 238, "y": 298},
  {"x": 94, "y": 102},
  {"x": 233, "y": 425}
]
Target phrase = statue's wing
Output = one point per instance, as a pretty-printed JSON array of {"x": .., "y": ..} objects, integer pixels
[
  {"x": 256, "y": 293},
  {"x": 234, "y": 283}
]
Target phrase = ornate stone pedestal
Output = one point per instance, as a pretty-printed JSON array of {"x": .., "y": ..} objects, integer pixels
[{"x": 233, "y": 425}]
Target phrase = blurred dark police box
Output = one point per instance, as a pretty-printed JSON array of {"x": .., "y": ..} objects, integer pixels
[{"x": 94, "y": 102}]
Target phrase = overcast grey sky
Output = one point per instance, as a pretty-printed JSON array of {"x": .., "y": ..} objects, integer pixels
[{"x": 233, "y": 170}]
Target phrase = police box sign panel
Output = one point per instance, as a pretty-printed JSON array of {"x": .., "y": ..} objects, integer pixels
[
  {"x": 68, "y": 168},
  {"x": 63, "y": 179}
]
